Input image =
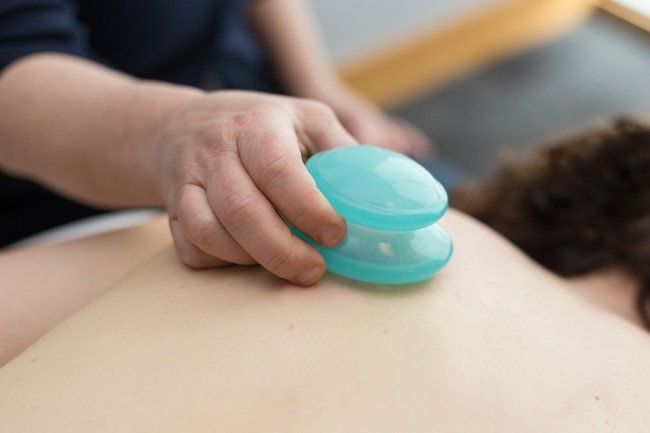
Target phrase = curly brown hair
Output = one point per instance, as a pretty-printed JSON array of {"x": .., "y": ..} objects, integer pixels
[{"x": 578, "y": 205}]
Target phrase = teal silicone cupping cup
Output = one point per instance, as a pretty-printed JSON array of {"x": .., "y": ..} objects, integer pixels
[{"x": 391, "y": 205}]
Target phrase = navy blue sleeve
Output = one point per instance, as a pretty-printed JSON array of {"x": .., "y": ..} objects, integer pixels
[{"x": 32, "y": 26}]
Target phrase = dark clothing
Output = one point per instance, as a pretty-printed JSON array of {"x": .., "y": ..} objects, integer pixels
[
  {"x": 202, "y": 43},
  {"x": 180, "y": 41}
]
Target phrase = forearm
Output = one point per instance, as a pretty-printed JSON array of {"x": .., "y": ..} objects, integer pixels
[
  {"x": 82, "y": 129},
  {"x": 290, "y": 34}
]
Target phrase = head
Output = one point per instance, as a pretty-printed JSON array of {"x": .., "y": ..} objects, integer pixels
[{"x": 578, "y": 205}]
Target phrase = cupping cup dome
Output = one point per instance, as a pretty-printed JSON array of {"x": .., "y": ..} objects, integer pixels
[{"x": 391, "y": 205}]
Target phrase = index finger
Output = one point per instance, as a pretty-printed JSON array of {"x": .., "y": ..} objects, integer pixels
[
  {"x": 252, "y": 221},
  {"x": 274, "y": 162}
]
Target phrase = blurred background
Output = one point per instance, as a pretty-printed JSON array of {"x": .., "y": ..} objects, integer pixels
[{"x": 484, "y": 76}]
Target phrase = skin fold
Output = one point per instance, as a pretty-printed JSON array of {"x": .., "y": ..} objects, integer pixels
[{"x": 492, "y": 343}]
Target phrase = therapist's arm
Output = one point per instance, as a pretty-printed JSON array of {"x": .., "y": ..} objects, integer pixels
[
  {"x": 83, "y": 129},
  {"x": 290, "y": 34},
  {"x": 223, "y": 163}
]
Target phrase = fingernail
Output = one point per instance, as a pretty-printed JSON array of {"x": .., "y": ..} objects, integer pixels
[
  {"x": 329, "y": 235},
  {"x": 310, "y": 275}
]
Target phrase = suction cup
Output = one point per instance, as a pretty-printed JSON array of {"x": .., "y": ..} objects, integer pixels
[{"x": 391, "y": 205}]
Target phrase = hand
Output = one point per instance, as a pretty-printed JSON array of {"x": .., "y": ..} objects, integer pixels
[
  {"x": 370, "y": 126},
  {"x": 231, "y": 167}
]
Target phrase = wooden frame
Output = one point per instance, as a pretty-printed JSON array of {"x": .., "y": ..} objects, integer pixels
[{"x": 434, "y": 57}]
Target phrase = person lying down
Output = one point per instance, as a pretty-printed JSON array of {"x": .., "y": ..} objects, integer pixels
[
  {"x": 495, "y": 342},
  {"x": 580, "y": 206}
]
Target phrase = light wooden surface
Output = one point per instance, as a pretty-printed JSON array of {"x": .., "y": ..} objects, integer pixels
[
  {"x": 434, "y": 57},
  {"x": 626, "y": 13}
]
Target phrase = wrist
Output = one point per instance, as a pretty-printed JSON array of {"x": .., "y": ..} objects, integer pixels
[{"x": 152, "y": 106}]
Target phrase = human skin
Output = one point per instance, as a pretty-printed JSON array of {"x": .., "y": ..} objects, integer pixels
[
  {"x": 288, "y": 30},
  {"x": 42, "y": 285},
  {"x": 220, "y": 162},
  {"x": 492, "y": 343}
]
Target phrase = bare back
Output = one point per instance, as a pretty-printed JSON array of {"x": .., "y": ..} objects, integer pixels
[{"x": 493, "y": 343}]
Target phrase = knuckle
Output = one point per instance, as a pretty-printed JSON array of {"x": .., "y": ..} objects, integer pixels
[
  {"x": 279, "y": 259},
  {"x": 274, "y": 166},
  {"x": 201, "y": 227},
  {"x": 238, "y": 210},
  {"x": 268, "y": 139},
  {"x": 304, "y": 214},
  {"x": 256, "y": 115}
]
